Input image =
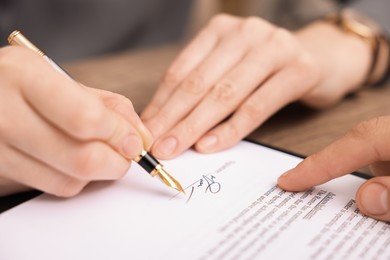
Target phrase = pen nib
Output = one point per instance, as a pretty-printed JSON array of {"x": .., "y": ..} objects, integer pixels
[{"x": 168, "y": 179}]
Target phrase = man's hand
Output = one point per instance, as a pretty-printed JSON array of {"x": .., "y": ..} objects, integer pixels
[{"x": 366, "y": 144}]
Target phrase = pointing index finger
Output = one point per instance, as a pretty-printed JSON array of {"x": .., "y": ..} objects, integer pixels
[{"x": 366, "y": 143}]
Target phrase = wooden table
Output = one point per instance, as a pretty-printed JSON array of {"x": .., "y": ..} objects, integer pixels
[{"x": 296, "y": 128}]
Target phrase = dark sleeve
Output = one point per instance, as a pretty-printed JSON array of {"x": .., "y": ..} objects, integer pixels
[{"x": 379, "y": 10}]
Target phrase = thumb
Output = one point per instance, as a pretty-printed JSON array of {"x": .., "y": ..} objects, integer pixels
[{"x": 373, "y": 198}]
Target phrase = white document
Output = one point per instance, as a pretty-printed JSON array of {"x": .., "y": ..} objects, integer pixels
[{"x": 232, "y": 210}]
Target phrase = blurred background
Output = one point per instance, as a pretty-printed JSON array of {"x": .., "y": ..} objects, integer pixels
[
  {"x": 73, "y": 29},
  {"x": 290, "y": 14}
]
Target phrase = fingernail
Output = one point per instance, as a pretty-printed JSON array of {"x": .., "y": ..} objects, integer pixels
[
  {"x": 281, "y": 181},
  {"x": 167, "y": 146},
  {"x": 132, "y": 146},
  {"x": 374, "y": 199},
  {"x": 208, "y": 142},
  {"x": 285, "y": 174}
]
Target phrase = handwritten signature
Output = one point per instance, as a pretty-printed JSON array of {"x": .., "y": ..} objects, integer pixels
[{"x": 209, "y": 183}]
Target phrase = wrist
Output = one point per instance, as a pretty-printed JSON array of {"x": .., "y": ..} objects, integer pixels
[
  {"x": 358, "y": 25},
  {"x": 343, "y": 60}
]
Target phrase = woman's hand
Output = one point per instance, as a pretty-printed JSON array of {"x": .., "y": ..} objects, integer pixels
[
  {"x": 366, "y": 144},
  {"x": 55, "y": 134},
  {"x": 239, "y": 71}
]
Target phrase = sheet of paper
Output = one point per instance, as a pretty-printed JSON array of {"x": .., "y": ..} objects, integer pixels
[{"x": 232, "y": 210}]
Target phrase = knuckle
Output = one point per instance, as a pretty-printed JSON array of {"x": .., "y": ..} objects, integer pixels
[
  {"x": 171, "y": 79},
  {"x": 307, "y": 66},
  {"x": 188, "y": 129},
  {"x": 254, "y": 27},
  {"x": 230, "y": 132},
  {"x": 251, "y": 24},
  {"x": 11, "y": 57},
  {"x": 161, "y": 125},
  {"x": 120, "y": 104},
  {"x": 3, "y": 51},
  {"x": 8, "y": 54},
  {"x": 88, "y": 119},
  {"x": 365, "y": 129},
  {"x": 89, "y": 161},
  {"x": 70, "y": 188},
  {"x": 219, "y": 20},
  {"x": 114, "y": 100},
  {"x": 194, "y": 85},
  {"x": 252, "y": 111},
  {"x": 4, "y": 54},
  {"x": 223, "y": 91},
  {"x": 284, "y": 41}
]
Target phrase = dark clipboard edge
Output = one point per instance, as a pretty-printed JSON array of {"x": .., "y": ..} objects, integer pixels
[
  {"x": 14, "y": 200},
  {"x": 11, "y": 201}
]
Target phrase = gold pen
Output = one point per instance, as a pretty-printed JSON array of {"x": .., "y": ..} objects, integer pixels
[{"x": 145, "y": 159}]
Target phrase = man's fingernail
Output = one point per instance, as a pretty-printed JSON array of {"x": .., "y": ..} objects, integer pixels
[
  {"x": 132, "y": 146},
  {"x": 285, "y": 174},
  {"x": 280, "y": 179},
  {"x": 167, "y": 146},
  {"x": 374, "y": 199},
  {"x": 208, "y": 142}
]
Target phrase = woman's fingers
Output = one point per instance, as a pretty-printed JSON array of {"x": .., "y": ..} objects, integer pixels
[
  {"x": 56, "y": 135},
  {"x": 186, "y": 62},
  {"x": 27, "y": 171},
  {"x": 124, "y": 107},
  {"x": 232, "y": 46},
  {"x": 196, "y": 86},
  {"x": 228, "y": 78},
  {"x": 83, "y": 160},
  {"x": 68, "y": 106},
  {"x": 181, "y": 113},
  {"x": 282, "y": 88},
  {"x": 92, "y": 160},
  {"x": 273, "y": 78}
]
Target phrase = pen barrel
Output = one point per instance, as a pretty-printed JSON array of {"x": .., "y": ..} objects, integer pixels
[
  {"x": 148, "y": 162},
  {"x": 57, "y": 67},
  {"x": 17, "y": 38}
]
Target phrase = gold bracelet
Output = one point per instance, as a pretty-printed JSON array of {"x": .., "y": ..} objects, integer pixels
[{"x": 355, "y": 23}]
